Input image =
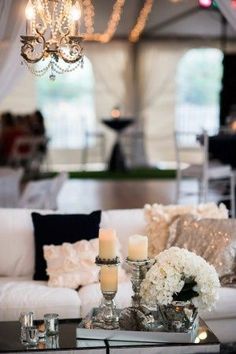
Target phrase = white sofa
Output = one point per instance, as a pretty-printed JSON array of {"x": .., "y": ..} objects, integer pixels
[{"x": 18, "y": 292}]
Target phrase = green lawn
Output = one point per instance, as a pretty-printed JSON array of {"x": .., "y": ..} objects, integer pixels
[{"x": 140, "y": 173}]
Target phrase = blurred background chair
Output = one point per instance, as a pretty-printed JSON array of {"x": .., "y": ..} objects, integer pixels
[
  {"x": 10, "y": 183},
  {"x": 42, "y": 194},
  {"x": 28, "y": 152},
  {"x": 133, "y": 145},
  {"x": 94, "y": 147},
  {"x": 211, "y": 175}
]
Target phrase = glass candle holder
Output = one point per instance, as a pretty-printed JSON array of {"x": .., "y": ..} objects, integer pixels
[
  {"x": 26, "y": 320},
  {"x": 32, "y": 336},
  {"x": 52, "y": 342},
  {"x": 51, "y": 321},
  {"x": 137, "y": 316},
  {"x": 106, "y": 316},
  {"x": 138, "y": 273}
]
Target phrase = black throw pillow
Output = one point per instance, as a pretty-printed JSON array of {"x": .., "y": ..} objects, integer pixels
[{"x": 57, "y": 229}]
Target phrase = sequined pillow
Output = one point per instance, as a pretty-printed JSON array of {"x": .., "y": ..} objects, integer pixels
[
  {"x": 160, "y": 217},
  {"x": 212, "y": 239}
]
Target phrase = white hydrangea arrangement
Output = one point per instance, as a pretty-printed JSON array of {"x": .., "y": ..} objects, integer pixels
[{"x": 180, "y": 275}]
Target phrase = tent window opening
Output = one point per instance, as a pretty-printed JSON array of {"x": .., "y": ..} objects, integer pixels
[
  {"x": 199, "y": 77},
  {"x": 68, "y": 106}
]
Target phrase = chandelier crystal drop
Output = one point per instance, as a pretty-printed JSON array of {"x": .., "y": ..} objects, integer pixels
[{"x": 52, "y": 41}]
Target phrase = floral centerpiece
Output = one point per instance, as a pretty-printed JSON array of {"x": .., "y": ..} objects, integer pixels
[{"x": 180, "y": 278}]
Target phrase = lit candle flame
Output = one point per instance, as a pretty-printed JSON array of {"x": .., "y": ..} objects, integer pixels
[
  {"x": 115, "y": 113},
  {"x": 29, "y": 11}
]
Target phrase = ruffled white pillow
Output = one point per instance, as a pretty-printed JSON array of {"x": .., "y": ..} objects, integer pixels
[
  {"x": 160, "y": 217},
  {"x": 72, "y": 265}
]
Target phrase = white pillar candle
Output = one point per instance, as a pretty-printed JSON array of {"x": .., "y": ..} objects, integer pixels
[
  {"x": 109, "y": 278},
  {"x": 107, "y": 244},
  {"x": 138, "y": 248}
]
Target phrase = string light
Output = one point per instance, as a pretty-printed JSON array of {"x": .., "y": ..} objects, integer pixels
[
  {"x": 141, "y": 21},
  {"x": 89, "y": 14},
  {"x": 111, "y": 26}
]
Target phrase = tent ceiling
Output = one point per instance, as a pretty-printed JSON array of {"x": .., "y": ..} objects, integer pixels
[
  {"x": 183, "y": 19},
  {"x": 167, "y": 19}
]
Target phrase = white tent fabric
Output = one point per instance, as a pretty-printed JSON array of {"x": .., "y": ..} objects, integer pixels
[
  {"x": 226, "y": 9},
  {"x": 10, "y": 62},
  {"x": 157, "y": 67},
  {"x": 113, "y": 76}
]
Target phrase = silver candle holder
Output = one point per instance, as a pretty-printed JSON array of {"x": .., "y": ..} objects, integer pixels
[
  {"x": 137, "y": 316},
  {"x": 106, "y": 316}
]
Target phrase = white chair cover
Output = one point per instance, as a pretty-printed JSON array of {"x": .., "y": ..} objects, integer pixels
[
  {"x": 10, "y": 186},
  {"x": 206, "y": 172},
  {"x": 42, "y": 194}
]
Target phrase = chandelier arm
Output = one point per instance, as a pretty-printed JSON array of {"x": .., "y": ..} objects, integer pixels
[
  {"x": 78, "y": 57},
  {"x": 29, "y": 47},
  {"x": 74, "y": 47}
]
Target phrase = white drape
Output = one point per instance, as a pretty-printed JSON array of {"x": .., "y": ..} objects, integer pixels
[
  {"x": 157, "y": 67},
  {"x": 11, "y": 26},
  {"x": 113, "y": 80},
  {"x": 113, "y": 76}
]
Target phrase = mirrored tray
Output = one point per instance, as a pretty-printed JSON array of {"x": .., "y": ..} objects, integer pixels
[{"x": 157, "y": 334}]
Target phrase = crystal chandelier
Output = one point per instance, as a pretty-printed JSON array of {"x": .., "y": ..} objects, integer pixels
[{"x": 52, "y": 41}]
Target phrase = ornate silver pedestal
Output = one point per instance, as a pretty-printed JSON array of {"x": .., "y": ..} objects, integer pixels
[
  {"x": 107, "y": 316},
  {"x": 137, "y": 316}
]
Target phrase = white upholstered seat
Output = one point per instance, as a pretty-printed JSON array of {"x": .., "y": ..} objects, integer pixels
[{"x": 23, "y": 294}]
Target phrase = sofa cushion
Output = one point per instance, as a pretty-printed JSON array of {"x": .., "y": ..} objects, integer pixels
[
  {"x": 225, "y": 306},
  {"x": 159, "y": 217},
  {"x": 56, "y": 229},
  {"x": 17, "y": 242},
  {"x": 91, "y": 296},
  {"x": 126, "y": 222},
  {"x": 22, "y": 294},
  {"x": 212, "y": 239}
]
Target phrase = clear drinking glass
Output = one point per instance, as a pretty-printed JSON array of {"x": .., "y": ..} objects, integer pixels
[
  {"x": 51, "y": 321},
  {"x": 26, "y": 320},
  {"x": 32, "y": 336}
]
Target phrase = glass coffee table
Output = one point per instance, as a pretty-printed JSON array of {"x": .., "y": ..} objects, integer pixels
[{"x": 66, "y": 342}]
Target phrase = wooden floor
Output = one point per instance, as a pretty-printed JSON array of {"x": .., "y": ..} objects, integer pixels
[{"x": 88, "y": 195}]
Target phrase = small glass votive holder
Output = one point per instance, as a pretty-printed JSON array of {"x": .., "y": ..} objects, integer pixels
[
  {"x": 32, "y": 336},
  {"x": 26, "y": 320},
  {"x": 52, "y": 342},
  {"x": 51, "y": 321}
]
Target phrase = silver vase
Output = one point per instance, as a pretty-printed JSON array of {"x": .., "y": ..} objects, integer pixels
[{"x": 179, "y": 316}]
